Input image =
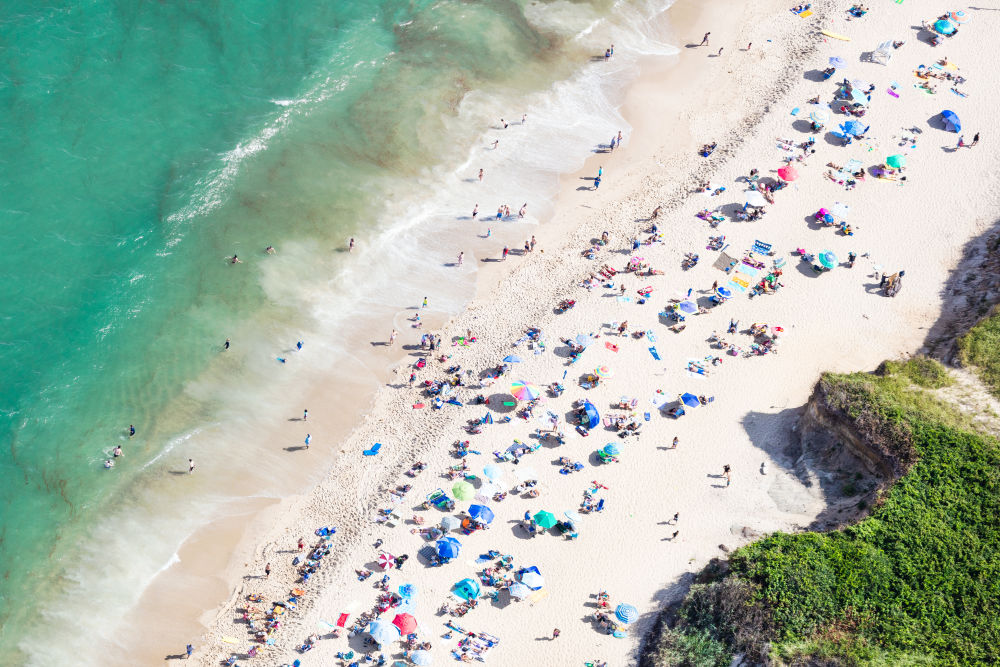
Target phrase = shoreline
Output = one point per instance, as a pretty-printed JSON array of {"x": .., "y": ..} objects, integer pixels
[{"x": 281, "y": 518}]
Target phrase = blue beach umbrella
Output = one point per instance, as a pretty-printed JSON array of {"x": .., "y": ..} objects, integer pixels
[
  {"x": 532, "y": 578},
  {"x": 481, "y": 513},
  {"x": 612, "y": 449},
  {"x": 591, "y": 417},
  {"x": 407, "y": 591},
  {"x": 837, "y": 62},
  {"x": 467, "y": 589},
  {"x": 688, "y": 307},
  {"x": 519, "y": 590},
  {"x": 512, "y": 359},
  {"x": 951, "y": 121},
  {"x": 421, "y": 658},
  {"x": 626, "y": 613},
  {"x": 584, "y": 340},
  {"x": 448, "y": 547},
  {"x": 944, "y": 26},
  {"x": 382, "y": 632},
  {"x": 828, "y": 259},
  {"x": 959, "y": 17},
  {"x": 724, "y": 293},
  {"x": 690, "y": 400},
  {"x": 854, "y": 127}
]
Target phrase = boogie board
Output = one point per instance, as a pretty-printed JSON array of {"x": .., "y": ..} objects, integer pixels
[{"x": 836, "y": 35}]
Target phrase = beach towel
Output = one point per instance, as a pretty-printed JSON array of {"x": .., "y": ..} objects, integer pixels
[
  {"x": 739, "y": 281},
  {"x": 723, "y": 262},
  {"x": 625, "y": 299},
  {"x": 342, "y": 621},
  {"x": 760, "y": 246},
  {"x": 611, "y": 346},
  {"x": 848, "y": 170},
  {"x": 656, "y": 355},
  {"x": 806, "y": 13},
  {"x": 892, "y": 92},
  {"x": 651, "y": 336},
  {"x": 417, "y": 406}
]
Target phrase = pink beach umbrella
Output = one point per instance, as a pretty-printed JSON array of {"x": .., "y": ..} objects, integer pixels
[
  {"x": 788, "y": 173},
  {"x": 385, "y": 561}
]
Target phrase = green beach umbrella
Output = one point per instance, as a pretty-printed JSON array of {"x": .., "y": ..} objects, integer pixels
[
  {"x": 545, "y": 519},
  {"x": 463, "y": 491},
  {"x": 828, "y": 259},
  {"x": 896, "y": 161}
]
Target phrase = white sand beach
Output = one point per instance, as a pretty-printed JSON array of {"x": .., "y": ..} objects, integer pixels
[{"x": 834, "y": 320}]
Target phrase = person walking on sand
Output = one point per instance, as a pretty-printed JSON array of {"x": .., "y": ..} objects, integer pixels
[
  {"x": 190, "y": 466},
  {"x": 350, "y": 245},
  {"x": 188, "y": 650},
  {"x": 506, "y": 251},
  {"x": 597, "y": 182},
  {"x": 504, "y": 123},
  {"x": 727, "y": 473},
  {"x": 461, "y": 256},
  {"x": 308, "y": 440},
  {"x": 676, "y": 442},
  {"x": 267, "y": 570},
  {"x": 305, "y": 415},
  {"x": 496, "y": 142},
  {"x": 533, "y": 243},
  {"x": 475, "y": 211},
  {"x": 524, "y": 119},
  {"x": 677, "y": 515},
  {"x": 392, "y": 337},
  {"x": 523, "y": 211},
  {"x": 975, "y": 140},
  {"x": 719, "y": 53},
  {"x": 556, "y": 633},
  {"x": 704, "y": 40},
  {"x": 302, "y": 544},
  {"x": 481, "y": 174}
]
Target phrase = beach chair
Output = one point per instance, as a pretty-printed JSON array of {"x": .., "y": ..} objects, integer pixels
[
  {"x": 600, "y": 506},
  {"x": 883, "y": 54},
  {"x": 374, "y": 450},
  {"x": 761, "y": 247}
]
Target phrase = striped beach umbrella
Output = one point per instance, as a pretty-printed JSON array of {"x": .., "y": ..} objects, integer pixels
[
  {"x": 523, "y": 391},
  {"x": 626, "y": 613}
]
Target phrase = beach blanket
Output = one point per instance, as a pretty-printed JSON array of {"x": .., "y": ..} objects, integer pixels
[
  {"x": 342, "y": 621},
  {"x": 760, "y": 246},
  {"x": 723, "y": 262},
  {"x": 656, "y": 355},
  {"x": 417, "y": 406},
  {"x": 847, "y": 172},
  {"x": 611, "y": 346}
]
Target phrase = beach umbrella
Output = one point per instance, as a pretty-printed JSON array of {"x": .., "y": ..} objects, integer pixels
[
  {"x": 486, "y": 491},
  {"x": 896, "y": 161},
  {"x": 944, "y": 26},
  {"x": 450, "y": 522},
  {"x": 492, "y": 472},
  {"x": 959, "y": 17},
  {"x": 385, "y": 561},
  {"x": 591, "y": 416},
  {"x": 854, "y": 127},
  {"x": 523, "y": 391},
  {"x": 755, "y": 198},
  {"x": 690, "y": 400},
  {"x": 467, "y": 589},
  {"x": 838, "y": 62},
  {"x": 545, "y": 519},
  {"x": 448, "y": 547},
  {"x": 688, "y": 307},
  {"x": 859, "y": 96},
  {"x": 512, "y": 359},
  {"x": 828, "y": 259},
  {"x": 584, "y": 340},
  {"x": 788, "y": 173},
  {"x": 421, "y": 658},
  {"x": 572, "y": 516},
  {"x": 407, "y": 605},
  {"x": 951, "y": 121},
  {"x": 724, "y": 293},
  {"x": 828, "y": 218},
  {"x": 819, "y": 115},
  {"x": 603, "y": 372},
  {"x": 463, "y": 491},
  {"x": 382, "y": 632},
  {"x": 481, "y": 513},
  {"x": 405, "y": 622},
  {"x": 407, "y": 591},
  {"x": 612, "y": 449},
  {"x": 841, "y": 210},
  {"x": 532, "y": 578},
  {"x": 519, "y": 590},
  {"x": 626, "y": 613}
]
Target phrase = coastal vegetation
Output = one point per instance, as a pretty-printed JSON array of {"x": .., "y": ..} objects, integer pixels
[
  {"x": 915, "y": 582},
  {"x": 980, "y": 348}
]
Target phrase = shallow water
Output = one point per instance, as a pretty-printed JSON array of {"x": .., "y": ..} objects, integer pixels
[{"x": 143, "y": 146}]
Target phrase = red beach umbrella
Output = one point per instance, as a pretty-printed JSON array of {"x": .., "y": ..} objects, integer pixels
[
  {"x": 405, "y": 622},
  {"x": 788, "y": 173}
]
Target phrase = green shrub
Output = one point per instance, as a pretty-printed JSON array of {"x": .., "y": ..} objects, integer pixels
[{"x": 980, "y": 348}]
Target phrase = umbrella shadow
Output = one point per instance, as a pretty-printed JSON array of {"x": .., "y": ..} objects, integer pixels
[
  {"x": 814, "y": 75},
  {"x": 295, "y": 448},
  {"x": 806, "y": 269},
  {"x": 497, "y": 401},
  {"x": 803, "y": 126},
  {"x": 810, "y": 221},
  {"x": 832, "y": 139}
]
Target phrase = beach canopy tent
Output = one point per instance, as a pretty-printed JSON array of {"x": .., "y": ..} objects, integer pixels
[
  {"x": 512, "y": 359},
  {"x": 951, "y": 121},
  {"x": 959, "y": 17},
  {"x": 481, "y": 513},
  {"x": 883, "y": 54},
  {"x": 688, "y": 307},
  {"x": 463, "y": 491},
  {"x": 591, "y": 417},
  {"x": 626, "y": 613},
  {"x": 896, "y": 161},
  {"x": 492, "y": 471},
  {"x": 450, "y": 522},
  {"x": 532, "y": 578},
  {"x": 788, "y": 173},
  {"x": 545, "y": 519},
  {"x": 467, "y": 589},
  {"x": 382, "y": 632},
  {"x": 523, "y": 391},
  {"x": 612, "y": 449},
  {"x": 519, "y": 591},
  {"x": 945, "y": 27},
  {"x": 405, "y": 622},
  {"x": 421, "y": 658},
  {"x": 448, "y": 547},
  {"x": 690, "y": 400},
  {"x": 828, "y": 259},
  {"x": 407, "y": 591}
]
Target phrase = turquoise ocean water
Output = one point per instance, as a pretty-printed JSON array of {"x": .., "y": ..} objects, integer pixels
[{"x": 142, "y": 144}]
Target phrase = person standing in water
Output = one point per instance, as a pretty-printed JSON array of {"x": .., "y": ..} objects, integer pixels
[
  {"x": 118, "y": 452},
  {"x": 481, "y": 174},
  {"x": 131, "y": 430},
  {"x": 392, "y": 338},
  {"x": 350, "y": 245},
  {"x": 225, "y": 346},
  {"x": 475, "y": 211},
  {"x": 190, "y": 466}
]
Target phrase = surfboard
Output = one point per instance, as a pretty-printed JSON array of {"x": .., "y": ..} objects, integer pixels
[
  {"x": 230, "y": 640},
  {"x": 836, "y": 35}
]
